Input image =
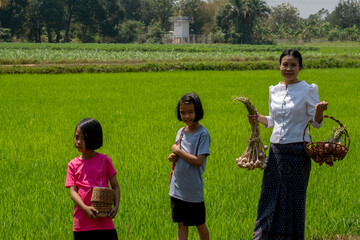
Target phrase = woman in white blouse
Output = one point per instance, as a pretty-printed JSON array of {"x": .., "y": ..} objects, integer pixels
[{"x": 292, "y": 103}]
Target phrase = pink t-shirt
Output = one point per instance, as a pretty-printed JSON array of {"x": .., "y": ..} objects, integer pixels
[{"x": 86, "y": 174}]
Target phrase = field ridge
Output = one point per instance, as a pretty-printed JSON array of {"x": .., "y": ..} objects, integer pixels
[{"x": 17, "y": 58}]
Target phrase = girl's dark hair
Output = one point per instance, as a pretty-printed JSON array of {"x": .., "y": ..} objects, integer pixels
[
  {"x": 294, "y": 53},
  {"x": 191, "y": 98},
  {"x": 92, "y": 132}
]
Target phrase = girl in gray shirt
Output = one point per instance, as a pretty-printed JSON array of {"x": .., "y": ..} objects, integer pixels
[{"x": 189, "y": 160}]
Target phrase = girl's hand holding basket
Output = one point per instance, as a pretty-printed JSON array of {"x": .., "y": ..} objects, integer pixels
[
  {"x": 91, "y": 212},
  {"x": 113, "y": 212}
]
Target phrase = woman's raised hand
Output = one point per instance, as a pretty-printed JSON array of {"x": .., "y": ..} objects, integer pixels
[
  {"x": 321, "y": 106},
  {"x": 319, "y": 109}
]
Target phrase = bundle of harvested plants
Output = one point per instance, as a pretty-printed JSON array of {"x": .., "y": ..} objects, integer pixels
[
  {"x": 254, "y": 155},
  {"x": 330, "y": 150}
]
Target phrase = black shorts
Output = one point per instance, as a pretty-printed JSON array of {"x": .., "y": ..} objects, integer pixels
[
  {"x": 191, "y": 214},
  {"x": 110, "y": 234}
]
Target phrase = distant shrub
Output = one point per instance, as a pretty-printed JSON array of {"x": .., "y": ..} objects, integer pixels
[
  {"x": 180, "y": 66},
  {"x": 5, "y": 35}
]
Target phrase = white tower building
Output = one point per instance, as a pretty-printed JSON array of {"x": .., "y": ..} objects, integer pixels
[{"x": 181, "y": 33}]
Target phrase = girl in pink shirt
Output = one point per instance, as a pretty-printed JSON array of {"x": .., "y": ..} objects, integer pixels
[{"x": 89, "y": 170}]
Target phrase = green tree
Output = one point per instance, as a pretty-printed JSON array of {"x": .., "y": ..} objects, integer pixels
[
  {"x": 69, "y": 10},
  {"x": 240, "y": 25},
  {"x": 241, "y": 16},
  {"x": 85, "y": 15},
  {"x": 158, "y": 11},
  {"x": 285, "y": 14},
  {"x": 132, "y": 9},
  {"x": 209, "y": 9},
  {"x": 34, "y": 20},
  {"x": 225, "y": 20},
  {"x": 346, "y": 14},
  {"x": 3, "y": 5},
  {"x": 336, "y": 34},
  {"x": 130, "y": 31},
  {"x": 307, "y": 31},
  {"x": 352, "y": 33},
  {"x": 321, "y": 16},
  {"x": 284, "y": 21},
  {"x": 257, "y": 10},
  {"x": 194, "y": 9},
  {"x": 108, "y": 16},
  {"x": 91, "y": 15},
  {"x": 5, "y": 34},
  {"x": 52, "y": 15},
  {"x": 145, "y": 12},
  {"x": 322, "y": 29},
  {"x": 262, "y": 33},
  {"x": 12, "y": 15},
  {"x": 154, "y": 33},
  {"x": 319, "y": 22}
]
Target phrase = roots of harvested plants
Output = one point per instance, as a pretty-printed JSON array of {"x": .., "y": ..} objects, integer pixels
[{"x": 254, "y": 155}]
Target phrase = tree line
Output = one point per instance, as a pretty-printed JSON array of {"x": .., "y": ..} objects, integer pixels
[{"x": 127, "y": 21}]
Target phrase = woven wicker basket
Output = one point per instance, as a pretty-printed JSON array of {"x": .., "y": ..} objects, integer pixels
[
  {"x": 102, "y": 200},
  {"x": 326, "y": 152}
]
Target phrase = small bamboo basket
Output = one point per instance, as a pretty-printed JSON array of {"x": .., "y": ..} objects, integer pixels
[
  {"x": 327, "y": 152},
  {"x": 102, "y": 200}
]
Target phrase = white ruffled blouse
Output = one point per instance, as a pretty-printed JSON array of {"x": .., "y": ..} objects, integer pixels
[{"x": 290, "y": 110}]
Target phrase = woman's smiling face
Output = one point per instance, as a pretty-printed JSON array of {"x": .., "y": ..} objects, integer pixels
[{"x": 289, "y": 69}]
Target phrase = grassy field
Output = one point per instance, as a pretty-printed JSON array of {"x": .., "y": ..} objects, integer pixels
[
  {"x": 137, "y": 112},
  {"x": 46, "y": 53},
  {"x": 44, "y": 58}
]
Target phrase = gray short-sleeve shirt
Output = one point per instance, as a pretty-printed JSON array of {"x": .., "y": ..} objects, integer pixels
[{"x": 187, "y": 183}]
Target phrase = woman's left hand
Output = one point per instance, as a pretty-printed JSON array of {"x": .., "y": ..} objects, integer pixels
[
  {"x": 319, "y": 109},
  {"x": 321, "y": 106}
]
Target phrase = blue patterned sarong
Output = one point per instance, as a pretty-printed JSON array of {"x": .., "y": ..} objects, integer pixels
[{"x": 281, "y": 209}]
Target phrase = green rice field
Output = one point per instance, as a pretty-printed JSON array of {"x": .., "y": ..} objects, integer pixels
[{"x": 137, "y": 112}]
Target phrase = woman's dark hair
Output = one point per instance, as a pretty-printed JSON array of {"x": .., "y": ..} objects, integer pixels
[
  {"x": 92, "y": 132},
  {"x": 191, "y": 98},
  {"x": 294, "y": 53}
]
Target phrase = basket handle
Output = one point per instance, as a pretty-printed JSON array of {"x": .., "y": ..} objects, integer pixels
[
  {"x": 347, "y": 138},
  {"x": 307, "y": 126}
]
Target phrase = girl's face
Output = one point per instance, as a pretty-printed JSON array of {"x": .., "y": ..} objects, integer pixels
[
  {"x": 187, "y": 114},
  {"x": 289, "y": 69},
  {"x": 79, "y": 141}
]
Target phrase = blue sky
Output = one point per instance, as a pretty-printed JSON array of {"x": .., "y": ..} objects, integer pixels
[{"x": 307, "y": 7}]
